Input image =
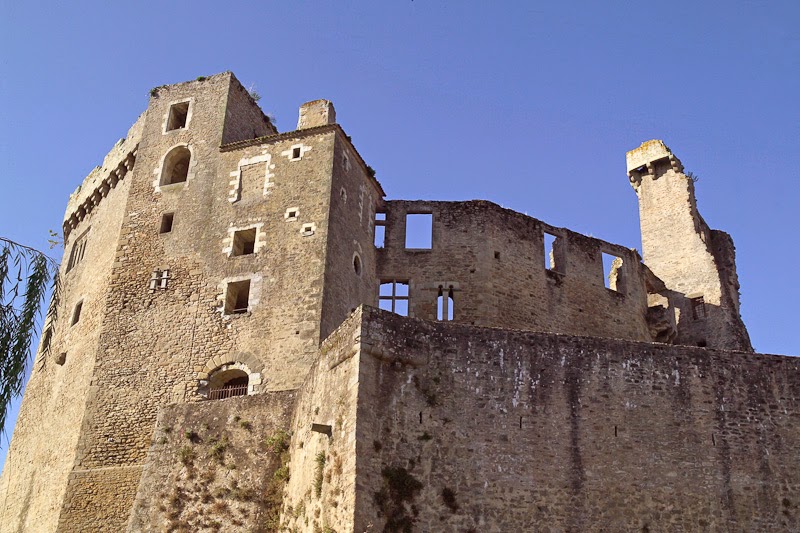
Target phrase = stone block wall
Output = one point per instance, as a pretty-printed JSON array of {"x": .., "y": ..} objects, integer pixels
[
  {"x": 43, "y": 449},
  {"x": 473, "y": 429},
  {"x": 320, "y": 494},
  {"x": 495, "y": 260},
  {"x": 215, "y": 466}
]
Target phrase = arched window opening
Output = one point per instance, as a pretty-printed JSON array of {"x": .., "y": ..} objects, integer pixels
[
  {"x": 176, "y": 166},
  {"x": 228, "y": 383}
]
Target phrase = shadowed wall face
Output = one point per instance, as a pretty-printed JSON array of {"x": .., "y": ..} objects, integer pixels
[{"x": 493, "y": 430}]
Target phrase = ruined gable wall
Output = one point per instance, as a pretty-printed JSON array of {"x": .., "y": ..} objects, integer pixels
[
  {"x": 678, "y": 246},
  {"x": 494, "y": 258},
  {"x": 514, "y": 431}
]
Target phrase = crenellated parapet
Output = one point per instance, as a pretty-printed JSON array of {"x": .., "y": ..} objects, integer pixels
[
  {"x": 96, "y": 186},
  {"x": 641, "y": 161}
]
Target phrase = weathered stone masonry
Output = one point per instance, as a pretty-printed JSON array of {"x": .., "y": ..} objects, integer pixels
[{"x": 534, "y": 383}]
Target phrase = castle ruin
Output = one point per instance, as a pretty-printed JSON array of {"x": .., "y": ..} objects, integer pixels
[{"x": 249, "y": 341}]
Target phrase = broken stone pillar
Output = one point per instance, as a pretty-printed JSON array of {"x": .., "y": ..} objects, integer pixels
[{"x": 316, "y": 113}]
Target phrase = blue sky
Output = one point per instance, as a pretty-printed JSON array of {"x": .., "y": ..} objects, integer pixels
[{"x": 531, "y": 105}]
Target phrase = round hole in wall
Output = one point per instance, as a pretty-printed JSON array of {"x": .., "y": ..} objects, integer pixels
[{"x": 357, "y": 264}]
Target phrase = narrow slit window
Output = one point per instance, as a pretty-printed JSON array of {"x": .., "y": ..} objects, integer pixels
[
  {"x": 178, "y": 113},
  {"x": 76, "y": 313},
  {"x": 244, "y": 242},
  {"x": 612, "y": 272},
  {"x": 549, "y": 252},
  {"x": 237, "y": 297},
  {"x": 444, "y": 304},
  {"x": 166, "y": 222},
  {"x": 393, "y": 296},
  {"x": 698, "y": 308},
  {"x": 380, "y": 229},
  {"x": 380, "y": 235},
  {"x": 419, "y": 231}
]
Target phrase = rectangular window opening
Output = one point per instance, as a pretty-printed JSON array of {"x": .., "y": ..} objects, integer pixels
[
  {"x": 76, "y": 313},
  {"x": 166, "y": 222},
  {"x": 237, "y": 297},
  {"x": 244, "y": 242},
  {"x": 419, "y": 231},
  {"x": 296, "y": 153},
  {"x": 549, "y": 252},
  {"x": 380, "y": 235},
  {"x": 612, "y": 272},
  {"x": 698, "y": 308},
  {"x": 393, "y": 296},
  {"x": 177, "y": 116}
]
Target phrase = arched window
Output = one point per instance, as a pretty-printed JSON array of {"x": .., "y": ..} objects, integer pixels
[
  {"x": 228, "y": 383},
  {"x": 176, "y": 166}
]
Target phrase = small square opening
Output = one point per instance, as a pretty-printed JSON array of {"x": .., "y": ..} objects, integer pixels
[
  {"x": 166, "y": 222},
  {"x": 244, "y": 242},
  {"x": 296, "y": 153},
  {"x": 177, "y": 116},
  {"x": 237, "y": 297}
]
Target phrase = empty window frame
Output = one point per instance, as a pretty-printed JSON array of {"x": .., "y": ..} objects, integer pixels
[
  {"x": 380, "y": 229},
  {"x": 77, "y": 252},
  {"x": 176, "y": 166},
  {"x": 166, "y": 222},
  {"x": 76, "y": 313},
  {"x": 553, "y": 259},
  {"x": 237, "y": 297},
  {"x": 296, "y": 152},
  {"x": 419, "y": 231},
  {"x": 612, "y": 272},
  {"x": 178, "y": 113},
  {"x": 244, "y": 242},
  {"x": 393, "y": 296},
  {"x": 698, "y": 308},
  {"x": 159, "y": 280},
  {"x": 445, "y": 304}
]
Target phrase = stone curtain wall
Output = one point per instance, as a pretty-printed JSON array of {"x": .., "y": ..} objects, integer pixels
[
  {"x": 321, "y": 490},
  {"x": 495, "y": 259},
  {"x": 216, "y": 466},
  {"x": 464, "y": 429}
]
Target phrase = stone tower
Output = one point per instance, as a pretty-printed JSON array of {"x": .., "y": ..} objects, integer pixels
[
  {"x": 696, "y": 263},
  {"x": 196, "y": 256}
]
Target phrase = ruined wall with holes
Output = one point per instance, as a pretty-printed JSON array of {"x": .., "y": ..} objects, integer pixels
[
  {"x": 42, "y": 452},
  {"x": 468, "y": 429},
  {"x": 219, "y": 466},
  {"x": 693, "y": 260},
  {"x": 494, "y": 259}
]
